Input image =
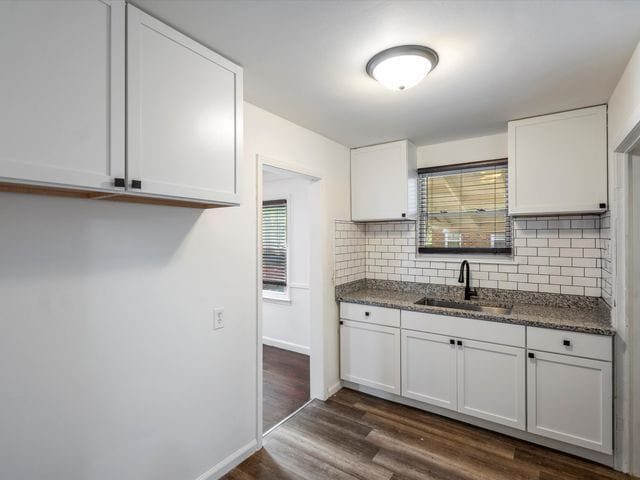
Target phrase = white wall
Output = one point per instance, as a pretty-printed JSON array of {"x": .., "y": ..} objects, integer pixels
[
  {"x": 287, "y": 324},
  {"x": 624, "y": 115},
  {"x": 109, "y": 367},
  {"x": 490, "y": 147}
]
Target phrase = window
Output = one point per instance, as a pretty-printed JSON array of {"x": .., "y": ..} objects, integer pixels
[
  {"x": 463, "y": 209},
  {"x": 274, "y": 245}
]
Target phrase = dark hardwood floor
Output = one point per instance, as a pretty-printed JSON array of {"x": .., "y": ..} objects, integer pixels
[
  {"x": 356, "y": 436},
  {"x": 285, "y": 384}
]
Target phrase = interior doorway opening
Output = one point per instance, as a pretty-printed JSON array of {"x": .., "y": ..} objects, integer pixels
[{"x": 286, "y": 293}]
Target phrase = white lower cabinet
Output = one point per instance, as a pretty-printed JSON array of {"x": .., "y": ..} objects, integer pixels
[
  {"x": 570, "y": 399},
  {"x": 552, "y": 383},
  {"x": 480, "y": 379},
  {"x": 491, "y": 382},
  {"x": 429, "y": 369},
  {"x": 370, "y": 355}
]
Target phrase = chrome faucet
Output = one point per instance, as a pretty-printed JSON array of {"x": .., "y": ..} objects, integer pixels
[{"x": 468, "y": 292}]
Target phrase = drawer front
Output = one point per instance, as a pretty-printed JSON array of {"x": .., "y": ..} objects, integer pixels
[
  {"x": 585, "y": 345},
  {"x": 389, "y": 317},
  {"x": 481, "y": 330}
]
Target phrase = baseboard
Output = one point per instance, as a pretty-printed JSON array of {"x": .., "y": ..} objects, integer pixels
[
  {"x": 335, "y": 388},
  {"x": 229, "y": 463},
  {"x": 293, "y": 347}
]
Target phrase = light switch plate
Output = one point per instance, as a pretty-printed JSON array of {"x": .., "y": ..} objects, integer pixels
[{"x": 218, "y": 318}]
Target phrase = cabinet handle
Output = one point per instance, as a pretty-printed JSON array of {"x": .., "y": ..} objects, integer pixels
[
  {"x": 460, "y": 342},
  {"x": 531, "y": 355},
  {"x": 118, "y": 182},
  {"x": 366, "y": 314},
  {"x": 603, "y": 205},
  {"x": 452, "y": 341},
  {"x": 566, "y": 343},
  {"x": 136, "y": 184}
]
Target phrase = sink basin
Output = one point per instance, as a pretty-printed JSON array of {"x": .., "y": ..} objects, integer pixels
[{"x": 464, "y": 306}]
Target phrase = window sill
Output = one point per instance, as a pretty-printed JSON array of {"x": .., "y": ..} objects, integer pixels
[
  {"x": 472, "y": 258},
  {"x": 276, "y": 297}
]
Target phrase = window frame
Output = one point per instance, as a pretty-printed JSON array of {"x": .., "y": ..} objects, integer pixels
[
  {"x": 273, "y": 295},
  {"x": 486, "y": 251}
]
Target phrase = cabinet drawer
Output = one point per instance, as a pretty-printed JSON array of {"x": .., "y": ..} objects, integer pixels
[
  {"x": 570, "y": 343},
  {"x": 481, "y": 330},
  {"x": 370, "y": 314}
]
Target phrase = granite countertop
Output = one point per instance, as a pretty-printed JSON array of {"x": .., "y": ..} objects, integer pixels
[{"x": 591, "y": 317}]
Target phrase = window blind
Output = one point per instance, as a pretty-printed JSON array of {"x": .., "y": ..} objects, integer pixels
[
  {"x": 274, "y": 244},
  {"x": 463, "y": 208}
]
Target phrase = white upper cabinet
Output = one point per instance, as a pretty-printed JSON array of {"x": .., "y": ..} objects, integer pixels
[
  {"x": 62, "y": 78},
  {"x": 65, "y": 66},
  {"x": 558, "y": 163},
  {"x": 184, "y": 115},
  {"x": 384, "y": 182}
]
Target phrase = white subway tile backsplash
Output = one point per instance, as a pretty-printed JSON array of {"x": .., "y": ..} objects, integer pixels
[{"x": 551, "y": 254}]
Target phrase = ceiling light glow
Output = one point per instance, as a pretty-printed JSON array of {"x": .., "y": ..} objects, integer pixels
[{"x": 403, "y": 67}]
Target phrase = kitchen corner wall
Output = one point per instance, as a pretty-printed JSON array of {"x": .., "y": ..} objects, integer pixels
[{"x": 566, "y": 254}]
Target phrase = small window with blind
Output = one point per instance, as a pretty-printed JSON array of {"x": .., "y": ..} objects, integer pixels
[
  {"x": 274, "y": 245},
  {"x": 463, "y": 209}
]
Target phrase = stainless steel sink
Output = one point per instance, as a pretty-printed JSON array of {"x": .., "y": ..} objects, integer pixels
[{"x": 464, "y": 306}]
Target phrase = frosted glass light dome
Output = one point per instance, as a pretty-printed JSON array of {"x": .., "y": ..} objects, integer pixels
[{"x": 403, "y": 67}]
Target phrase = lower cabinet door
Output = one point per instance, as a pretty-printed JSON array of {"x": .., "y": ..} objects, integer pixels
[
  {"x": 429, "y": 369},
  {"x": 491, "y": 382},
  {"x": 570, "y": 399},
  {"x": 370, "y": 355}
]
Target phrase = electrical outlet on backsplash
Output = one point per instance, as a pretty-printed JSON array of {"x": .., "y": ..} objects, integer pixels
[{"x": 555, "y": 254}]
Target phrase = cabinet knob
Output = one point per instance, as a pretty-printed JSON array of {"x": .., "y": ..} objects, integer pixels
[
  {"x": 404, "y": 215},
  {"x": 566, "y": 343},
  {"x": 460, "y": 342},
  {"x": 531, "y": 355},
  {"x": 366, "y": 314},
  {"x": 136, "y": 183},
  {"x": 603, "y": 205},
  {"x": 341, "y": 322},
  {"x": 118, "y": 182},
  {"x": 452, "y": 341}
]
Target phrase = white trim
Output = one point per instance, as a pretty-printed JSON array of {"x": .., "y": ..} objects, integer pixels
[
  {"x": 230, "y": 462},
  {"x": 293, "y": 347},
  {"x": 276, "y": 297},
  {"x": 333, "y": 389},
  {"x": 495, "y": 259},
  {"x": 299, "y": 286},
  {"x": 318, "y": 325},
  {"x": 625, "y": 303}
]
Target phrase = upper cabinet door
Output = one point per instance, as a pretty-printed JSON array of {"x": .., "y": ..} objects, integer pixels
[
  {"x": 184, "y": 115},
  {"x": 558, "y": 163},
  {"x": 383, "y": 182},
  {"x": 62, "y": 78}
]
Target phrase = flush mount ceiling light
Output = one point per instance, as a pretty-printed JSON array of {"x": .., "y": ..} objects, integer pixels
[{"x": 403, "y": 67}]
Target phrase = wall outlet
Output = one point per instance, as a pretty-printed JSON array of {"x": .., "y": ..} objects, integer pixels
[{"x": 218, "y": 318}]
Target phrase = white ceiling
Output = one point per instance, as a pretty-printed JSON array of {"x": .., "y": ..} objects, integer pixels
[{"x": 499, "y": 60}]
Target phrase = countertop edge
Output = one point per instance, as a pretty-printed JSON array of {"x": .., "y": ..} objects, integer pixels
[{"x": 605, "y": 331}]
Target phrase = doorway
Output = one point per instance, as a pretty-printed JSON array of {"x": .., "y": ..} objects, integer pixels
[{"x": 285, "y": 292}]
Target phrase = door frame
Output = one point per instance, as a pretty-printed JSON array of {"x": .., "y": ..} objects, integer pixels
[
  {"x": 316, "y": 272},
  {"x": 626, "y": 305}
]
